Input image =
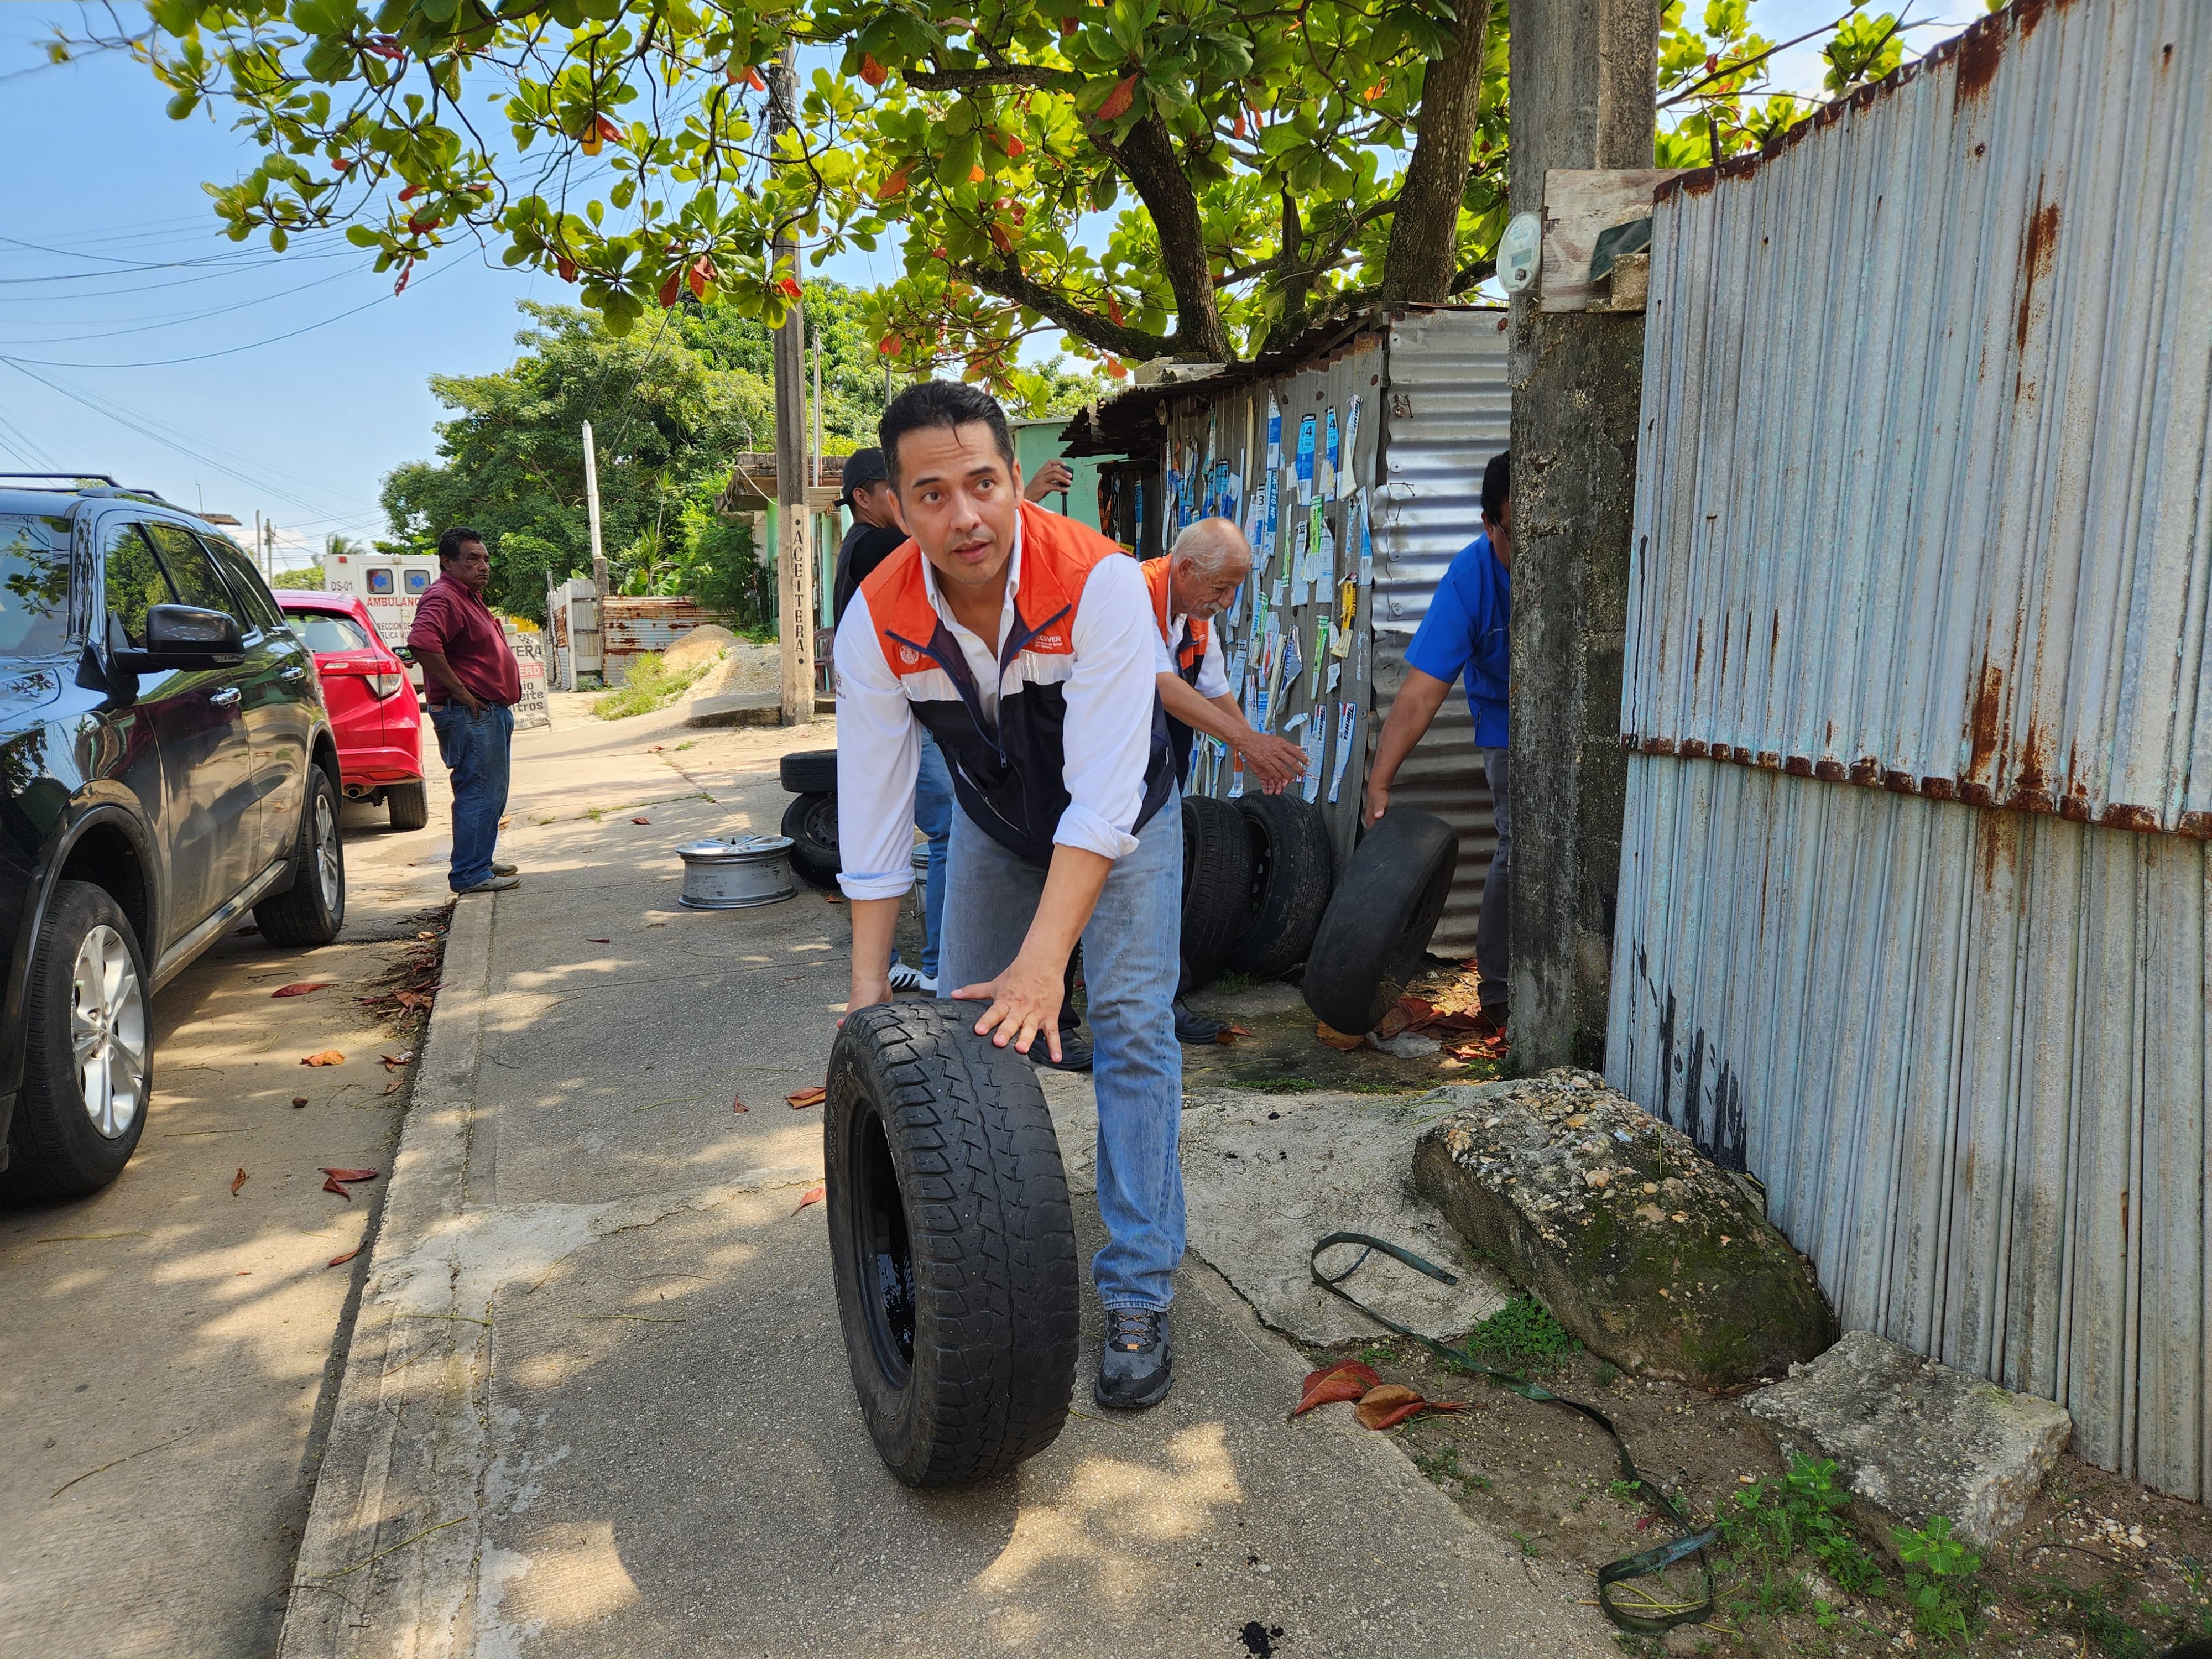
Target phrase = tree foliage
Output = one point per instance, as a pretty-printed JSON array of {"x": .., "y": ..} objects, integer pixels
[{"x": 1201, "y": 177}]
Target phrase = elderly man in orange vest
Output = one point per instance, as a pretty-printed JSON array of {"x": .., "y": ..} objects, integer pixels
[
  {"x": 1192, "y": 585},
  {"x": 1023, "y": 642}
]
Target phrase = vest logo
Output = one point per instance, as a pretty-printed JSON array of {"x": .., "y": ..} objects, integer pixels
[
  {"x": 1049, "y": 642},
  {"x": 909, "y": 656}
]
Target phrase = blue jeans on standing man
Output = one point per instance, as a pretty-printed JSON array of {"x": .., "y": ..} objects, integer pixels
[
  {"x": 475, "y": 750},
  {"x": 1130, "y": 964},
  {"x": 932, "y": 811}
]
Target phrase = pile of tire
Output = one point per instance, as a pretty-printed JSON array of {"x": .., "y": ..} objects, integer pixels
[
  {"x": 1257, "y": 872},
  {"x": 952, "y": 1244},
  {"x": 1375, "y": 935},
  {"x": 811, "y": 820}
]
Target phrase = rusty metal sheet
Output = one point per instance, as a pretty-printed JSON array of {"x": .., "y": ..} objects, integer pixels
[
  {"x": 1921, "y": 502},
  {"x": 1966, "y": 1051},
  {"x": 631, "y": 627}
]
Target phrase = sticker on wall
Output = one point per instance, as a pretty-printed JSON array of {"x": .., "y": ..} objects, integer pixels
[
  {"x": 1328, "y": 475},
  {"x": 1275, "y": 437},
  {"x": 1347, "y": 595},
  {"x": 1315, "y": 742},
  {"x": 1320, "y": 653},
  {"x": 1351, "y": 465},
  {"x": 1367, "y": 545},
  {"x": 1305, "y": 458},
  {"x": 1347, "y": 728}
]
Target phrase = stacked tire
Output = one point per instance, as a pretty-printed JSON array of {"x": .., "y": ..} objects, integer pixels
[
  {"x": 1374, "y": 938},
  {"x": 811, "y": 820},
  {"x": 1257, "y": 874}
]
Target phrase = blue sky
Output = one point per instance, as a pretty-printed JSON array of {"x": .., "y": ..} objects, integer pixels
[{"x": 135, "y": 340}]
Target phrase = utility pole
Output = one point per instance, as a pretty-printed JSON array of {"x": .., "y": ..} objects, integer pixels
[
  {"x": 817, "y": 405},
  {"x": 794, "y": 557},
  {"x": 1585, "y": 81},
  {"x": 591, "y": 503}
]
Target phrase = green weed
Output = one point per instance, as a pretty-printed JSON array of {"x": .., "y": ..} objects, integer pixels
[
  {"x": 1229, "y": 983},
  {"x": 2097, "y": 1614},
  {"x": 1520, "y": 1332},
  {"x": 1766, "y": 1526},
  {"x": 650, "y": 686},
  {"x": 1940, "y": 1570}
]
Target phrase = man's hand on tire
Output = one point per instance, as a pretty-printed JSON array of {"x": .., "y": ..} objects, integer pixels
[
  {"x": 1279, "y": 762},
  {"x": 1376, "y": 804},
  {"x": 1024, "y": 1002},
  {"x": 867, "y": 993}
]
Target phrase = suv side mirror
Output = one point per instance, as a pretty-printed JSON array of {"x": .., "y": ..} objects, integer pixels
[{"x": 184, "y": 636}]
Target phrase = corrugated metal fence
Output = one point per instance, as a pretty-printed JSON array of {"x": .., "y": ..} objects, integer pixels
[{"x": 1923, "y": 508}]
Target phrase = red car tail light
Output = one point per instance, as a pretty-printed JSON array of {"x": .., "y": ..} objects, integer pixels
[{"x": 385, "y": 685}]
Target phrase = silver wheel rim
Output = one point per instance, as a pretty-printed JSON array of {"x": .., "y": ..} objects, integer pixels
[
  {"x": 326, "y": 851},
  {"x": 107, "y": 1032}
]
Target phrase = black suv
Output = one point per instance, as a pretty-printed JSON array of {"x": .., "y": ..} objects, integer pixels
[{"x": 165, "y": 765}]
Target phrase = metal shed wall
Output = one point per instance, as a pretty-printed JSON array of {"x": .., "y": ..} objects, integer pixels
[
  {"x": 1922, "y": 508},
  {"x": 1435, "y": 407}
]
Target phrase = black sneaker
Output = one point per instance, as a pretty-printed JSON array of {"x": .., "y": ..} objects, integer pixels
[
  {"x": 1135, "y": 1367},
  {"x": 1074, "y": 1051},
  {"x": 1191, "y": 1027}
]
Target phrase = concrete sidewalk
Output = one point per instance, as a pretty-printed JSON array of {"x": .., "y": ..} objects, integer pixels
[{"x": 598, "y": 1402}]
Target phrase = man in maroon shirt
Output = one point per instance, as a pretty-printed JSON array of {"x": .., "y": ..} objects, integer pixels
[{"x": 472, "y": 684}]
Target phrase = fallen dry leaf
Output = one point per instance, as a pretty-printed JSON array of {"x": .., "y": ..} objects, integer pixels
[
  {"x": 340, "y": 1261},
  {"x": 236, "y": 1182},
  {"x": 303, "y": 988},
  {"x": 806, "y": 1097},
  {"x": 739, "y": 1106},
  {"x": 299, "y": 1100},
  {"x": 641, "y": 820},
  {"x": 331, "y": 1185},
  {"x": 349, "y": 1174},
  {"x": 250, "y": 927},
  {"x": 1336, "y": 1039},
  {"x": 1228, "y": 1034},
  {"x": 393, "y": 1087},
  {"x": 833, "y": 899},
  {"x": 811, "y": 1195},
  {"x": 1346, "y": 1381},
  {"x": 1388, "y": 1406},
  {"x": 412, "y": 999},
  {"x": 328, "y": 1057},
  {"x": 427, "y": 933},
  {"x": 598, "y": 941}
]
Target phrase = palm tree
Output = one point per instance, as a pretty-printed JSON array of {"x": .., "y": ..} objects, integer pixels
[{"x": 340, "y": 544}]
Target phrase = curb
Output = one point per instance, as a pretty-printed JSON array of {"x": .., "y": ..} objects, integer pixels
[{"x": 397, "y": 1510}]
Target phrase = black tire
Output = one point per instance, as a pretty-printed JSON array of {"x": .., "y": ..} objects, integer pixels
[
  {"x": 313, "y": 909},
  {"x": 1292, "y": 872},
  {"x": 810, "y": 821},
  {"x": 410, "y": 804},
  {"x": 1217, "y": 885},
  {"x": 810, "y": 772},
  {"x": 1376, "y": 932},
  {"x": 63, "y": 1140},
  {"x": 952, "y": 1242}
]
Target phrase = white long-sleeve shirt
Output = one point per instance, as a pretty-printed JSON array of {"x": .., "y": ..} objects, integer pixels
[
  {"x": 1213, "y": 671},
  {"x": 1107, "y": 736}
]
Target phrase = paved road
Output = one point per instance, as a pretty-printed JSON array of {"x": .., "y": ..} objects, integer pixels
[
  {"x": 596, "y": 1403},
  {"x": 164, "y": 1345}
]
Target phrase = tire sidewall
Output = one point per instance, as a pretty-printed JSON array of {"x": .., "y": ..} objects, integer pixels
[
  {"x": 54, "y": 1149},
  {"x": 315, "y": 915},
  {"x": 854, "y": 1096}
]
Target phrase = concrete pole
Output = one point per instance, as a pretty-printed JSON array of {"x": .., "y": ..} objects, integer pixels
[
  {"x": 795, "y": 558},
  {"x": 591, "y": 503},
  {"x": 1584, "y": 95}
]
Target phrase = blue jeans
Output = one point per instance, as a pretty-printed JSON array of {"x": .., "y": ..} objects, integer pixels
[
  {"x": 1129, "y": 965},
  {"x": 475, "y": 751},
  {"x": 932, "y": 811}
]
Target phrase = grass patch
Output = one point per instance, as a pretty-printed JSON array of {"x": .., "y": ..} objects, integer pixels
[
  {"x": 1273, "y": 1085},
  {"x": 1229, "y": 983},
  {"x": 650, "y": 686},
  {"x": 1520, "y": 1332}
]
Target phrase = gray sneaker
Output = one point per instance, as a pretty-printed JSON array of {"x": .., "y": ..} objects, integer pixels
[
  {"x": 1135, "y": 1366},
  {"x": 502, "y": 867},
  {"x": 493, "y": 885}
]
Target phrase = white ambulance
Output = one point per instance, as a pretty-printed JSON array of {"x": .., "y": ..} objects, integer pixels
[{"x": 392, "y": 585}]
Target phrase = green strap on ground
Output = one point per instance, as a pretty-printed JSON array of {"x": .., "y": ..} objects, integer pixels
[{"x": 1662, "y": 1503}]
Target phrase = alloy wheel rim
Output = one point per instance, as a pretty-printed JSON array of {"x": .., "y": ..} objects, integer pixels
[
  {"x": 326, "y": 850},
  {"x": 107, "y": 1032}
]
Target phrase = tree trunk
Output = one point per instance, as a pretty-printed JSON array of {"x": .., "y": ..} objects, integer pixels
[
  {"x": 1148, "y": 158},
  {"x": 1423, "y": 253}
]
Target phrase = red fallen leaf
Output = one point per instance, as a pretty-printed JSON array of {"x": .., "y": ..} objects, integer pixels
[
  {"x": 1347, "y": 1379},
  {"x": 340, "y": 1261},
  {"x": 1118, "y": 100},
  {"x": 1387, "y": 1407},
  {"x": 303, "y": 988},
  {"x": 1228, "y": 1034},
  {"x": 805, "y": 1097},
  {"x": 327, "y": 1057},
  {"x": 833, "y": 899},
  {"x": 598, "y": 941},
  {"x": 753, "y": 80},
  {"x": 870, "y": 71},
  {"x": 811, "y": 1195},
  {"x": 412, "y": 999},
  {"x": 299, "y": 1100},
  {"x": 641, "y": 820},
  {"x": 236, "y": 1182},
  {"x": 331, "y": 1186},
  {"x": 349, "y": 1174},
  {"x": 396, "y": 1060},
  {"x": 739, "y": 1106}
]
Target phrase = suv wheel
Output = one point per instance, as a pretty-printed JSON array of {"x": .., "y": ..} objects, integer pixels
[
  {"x": 311, "y": 911},
  {"x": 87, "y": 1061}
]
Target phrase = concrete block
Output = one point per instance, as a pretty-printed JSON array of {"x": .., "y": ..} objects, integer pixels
[
  {"x": 737, "y": 709},
  {"x": 1914, "y": 1438},
  {"x": 1655, "y": 1257}
]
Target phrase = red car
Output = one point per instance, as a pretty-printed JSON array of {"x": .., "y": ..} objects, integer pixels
[{"x": 372, "y": 705}]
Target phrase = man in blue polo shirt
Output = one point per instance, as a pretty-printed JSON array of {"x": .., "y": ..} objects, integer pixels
[{"x": 1468, "y": 629}]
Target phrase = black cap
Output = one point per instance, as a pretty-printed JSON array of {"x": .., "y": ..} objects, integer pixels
[{"x": 862, "y": 466}]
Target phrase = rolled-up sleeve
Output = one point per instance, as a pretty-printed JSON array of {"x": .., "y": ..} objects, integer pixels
[
  {"x": 878, "y": 757},
  {"x": 1109, "y": 731}
]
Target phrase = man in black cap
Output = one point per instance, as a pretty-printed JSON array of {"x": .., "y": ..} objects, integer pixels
[{"x": 876, "y": 533}]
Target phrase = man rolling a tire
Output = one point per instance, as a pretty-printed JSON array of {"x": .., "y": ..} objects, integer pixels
[
  {"x": 1024, "y": 643},
  {"x": 1192, "y": 584}
]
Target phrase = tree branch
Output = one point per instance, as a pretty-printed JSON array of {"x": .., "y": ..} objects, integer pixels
[
  {"x": 1010, "y": 281},
  {"x": 1009, "y": 75},
  {"x": 1147, "y": 158}
]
